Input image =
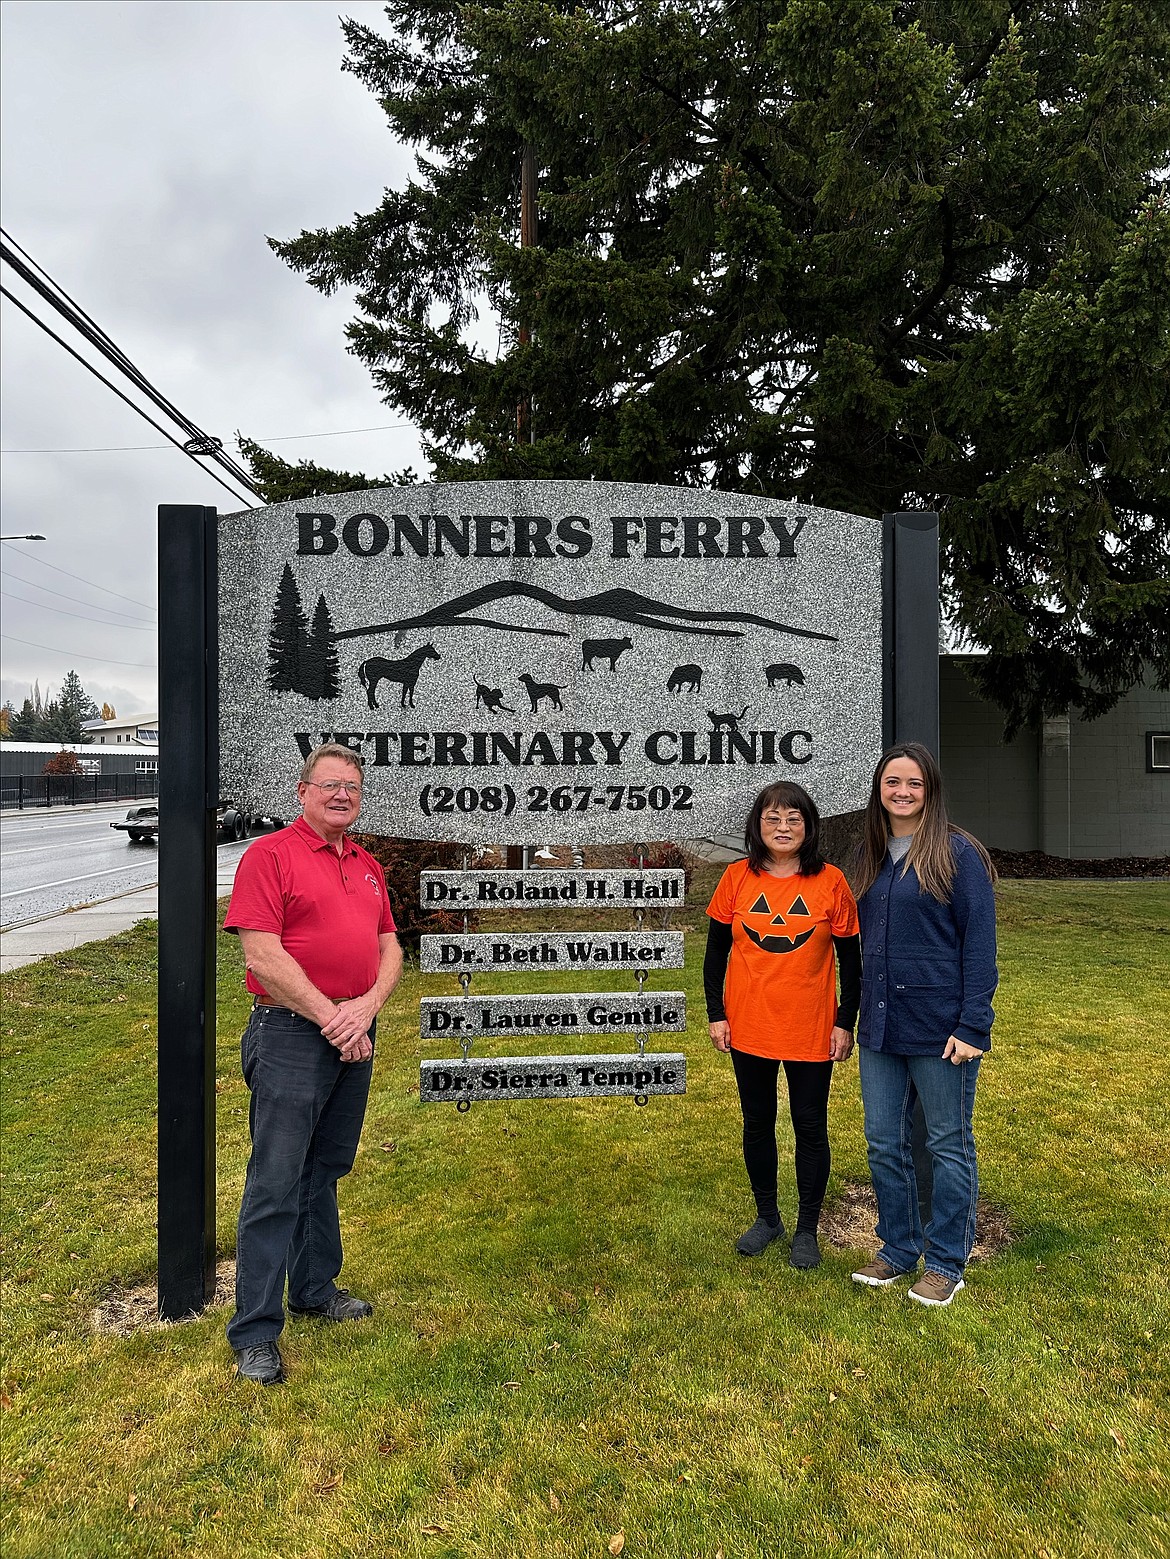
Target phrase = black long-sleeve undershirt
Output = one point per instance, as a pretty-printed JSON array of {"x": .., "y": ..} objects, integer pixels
[{"x": 848, "y": 950}]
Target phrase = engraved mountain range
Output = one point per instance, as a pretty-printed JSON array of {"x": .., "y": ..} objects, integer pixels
[{"x": 620, "y": 605}]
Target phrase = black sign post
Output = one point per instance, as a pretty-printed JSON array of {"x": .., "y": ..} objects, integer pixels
[
  {"x": 911, "y": 624},
  {"x": 188, "y": 794},
  {"x": 910, "y": 691}
]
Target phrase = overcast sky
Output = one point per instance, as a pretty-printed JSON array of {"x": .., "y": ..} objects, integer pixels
[{"x": 148, "y": 149}]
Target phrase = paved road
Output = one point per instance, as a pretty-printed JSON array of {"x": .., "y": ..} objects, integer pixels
[{"x": 56, "y": 860}]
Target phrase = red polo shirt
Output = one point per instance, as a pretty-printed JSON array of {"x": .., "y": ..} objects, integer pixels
[{"x": 327, "y": 909}]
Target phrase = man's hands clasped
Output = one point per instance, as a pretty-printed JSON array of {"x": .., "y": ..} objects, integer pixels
[{"x": 348, "y": 1029}]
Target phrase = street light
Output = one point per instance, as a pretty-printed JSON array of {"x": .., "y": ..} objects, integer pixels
[{"x": 23, "y": 538}]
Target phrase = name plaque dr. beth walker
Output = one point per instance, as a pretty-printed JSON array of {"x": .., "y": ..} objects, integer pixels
[{"x": 577, "y": 662}]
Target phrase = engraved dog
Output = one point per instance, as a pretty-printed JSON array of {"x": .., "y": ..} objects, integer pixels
[
  {"x": 540, "y": 690},
  {"x": 791, "y": 676},
  {"x": 492, "y": 699},
  {"x": 690, "y": 677},
  {"x": 611, "y": 650},
  {"x": 728, "y": 722}
]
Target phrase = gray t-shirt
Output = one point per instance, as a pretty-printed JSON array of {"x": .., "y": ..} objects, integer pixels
[{"x": 900, "y": 848}]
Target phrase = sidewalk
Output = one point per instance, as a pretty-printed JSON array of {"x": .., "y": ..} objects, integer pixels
[{"x": 61, "y": 933}]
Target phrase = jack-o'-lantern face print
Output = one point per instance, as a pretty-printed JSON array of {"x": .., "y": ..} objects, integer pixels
[{"x": 761, "y": 926}]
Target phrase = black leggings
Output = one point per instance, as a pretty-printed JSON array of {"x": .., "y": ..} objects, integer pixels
[{"x": 808, "y": 1103}]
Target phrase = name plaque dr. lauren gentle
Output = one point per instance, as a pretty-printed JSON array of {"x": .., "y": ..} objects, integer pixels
[{"x": 551, "y": 661}]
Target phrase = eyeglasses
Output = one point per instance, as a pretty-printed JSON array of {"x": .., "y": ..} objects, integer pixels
[
  {"x": 333, "y": 787},
  {"x": 773, "y": 819}
]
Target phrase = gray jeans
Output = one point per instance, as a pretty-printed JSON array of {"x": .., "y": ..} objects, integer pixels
[{"x": 306, "y": 1114}]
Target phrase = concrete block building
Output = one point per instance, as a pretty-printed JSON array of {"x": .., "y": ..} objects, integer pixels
[{"x": 1082, "y": 789}]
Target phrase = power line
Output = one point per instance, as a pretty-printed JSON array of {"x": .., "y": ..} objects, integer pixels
[
  {"x": 198, "y": 442},
  {"x": 65, "y": 596},
  {"x": 55, "y": 295},
  {"x": 129, "y": 449},
  {"x": 98, "y": 375},
  {"x": 55, "y": 649},
  {"x": 80, "y": 616},
  {"x": 32, "y": 557}
]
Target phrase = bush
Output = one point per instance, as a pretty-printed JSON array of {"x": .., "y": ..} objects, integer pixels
[
  {"x": 402, "y": 860},
  {"x": 63, "y": 762}
]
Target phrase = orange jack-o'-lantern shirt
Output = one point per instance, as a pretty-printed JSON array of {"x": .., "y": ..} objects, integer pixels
[{"x": 781, "y": 988}]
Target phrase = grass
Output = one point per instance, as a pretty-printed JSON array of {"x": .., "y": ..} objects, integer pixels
[{"x": 565, "y": 1345}]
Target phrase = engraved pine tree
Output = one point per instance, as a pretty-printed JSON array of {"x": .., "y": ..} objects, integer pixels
[
  {"x": 320, "y": 671},
  {"x": 287, "y": 638}
]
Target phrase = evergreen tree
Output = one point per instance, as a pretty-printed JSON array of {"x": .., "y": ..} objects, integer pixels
[
  {"x": 320, "y": 671},
  {"x": 75, "y": 706},
  {"x": 280, "y": 481},
  {"x": 23, "y": 726},
  {"x": 877, "y": 255},
  {"x": 287, "y": 637}
]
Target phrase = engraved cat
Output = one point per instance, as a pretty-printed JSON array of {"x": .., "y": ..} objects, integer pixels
[{"x": 727, "y": 722}]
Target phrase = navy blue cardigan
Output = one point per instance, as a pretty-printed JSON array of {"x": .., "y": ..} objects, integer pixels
[{"x": 928, "y": 968}]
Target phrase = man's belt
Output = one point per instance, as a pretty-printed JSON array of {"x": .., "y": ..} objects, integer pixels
[{"x": 270, "y": 1001}]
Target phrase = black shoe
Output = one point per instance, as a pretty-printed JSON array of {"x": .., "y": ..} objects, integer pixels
[
  {"x": 805, "y": 1251},
  {"x": 262, "y": 1363},
  {"x": 340, "y": 1306},
  {"x": 753, "y": 1241}
]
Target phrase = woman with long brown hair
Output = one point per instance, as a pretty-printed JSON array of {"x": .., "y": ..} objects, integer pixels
[
  {"x": 776, "y": 920},
  {"x": 927, "y": 912}
]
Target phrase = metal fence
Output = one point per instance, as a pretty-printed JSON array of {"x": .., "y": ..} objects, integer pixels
[{"x": 18, "y": 791}]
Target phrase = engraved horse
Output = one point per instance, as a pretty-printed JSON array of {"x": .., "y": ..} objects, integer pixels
[{"x": 404, "y": 671}]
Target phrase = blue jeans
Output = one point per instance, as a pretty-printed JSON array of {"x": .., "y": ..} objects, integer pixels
[
  {"x": 947, "y": 1093},
  {"x": 305, "y": 1114}
]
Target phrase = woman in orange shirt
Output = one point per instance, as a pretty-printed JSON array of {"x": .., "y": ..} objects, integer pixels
[{"x": 776, "y": 920}]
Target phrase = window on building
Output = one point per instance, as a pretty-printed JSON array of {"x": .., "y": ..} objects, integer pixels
[
  {"x": 1158, "y": 752},
  {"x": 147, "y": 734},
  {"x": 146, "y": 766}
]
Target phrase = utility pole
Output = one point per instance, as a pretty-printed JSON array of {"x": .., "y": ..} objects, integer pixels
[{"x": 525, "y": 430}]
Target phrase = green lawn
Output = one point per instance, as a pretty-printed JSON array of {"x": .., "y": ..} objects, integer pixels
[{"x": 566, "y": 1346}]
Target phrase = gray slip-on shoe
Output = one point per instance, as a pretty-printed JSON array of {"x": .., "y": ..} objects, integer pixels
[
  {"x": 754, "y": 1241},
  {"x": 806, "y": 1252}
]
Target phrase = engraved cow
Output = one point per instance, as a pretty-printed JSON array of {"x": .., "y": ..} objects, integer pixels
[{"x": 611, "y": 650}]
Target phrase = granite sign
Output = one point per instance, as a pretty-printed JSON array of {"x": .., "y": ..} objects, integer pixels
[{"x": 551, "y": 661}]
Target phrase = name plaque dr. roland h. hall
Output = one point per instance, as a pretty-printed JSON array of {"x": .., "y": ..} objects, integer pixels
[{"x": 583, "y": 662}]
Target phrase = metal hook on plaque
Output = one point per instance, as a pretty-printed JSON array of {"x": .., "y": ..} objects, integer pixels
[{"x": 463, "y": 1105}]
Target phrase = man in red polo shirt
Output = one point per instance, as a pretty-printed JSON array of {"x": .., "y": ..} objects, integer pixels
[{"x": 311, "y": 910}]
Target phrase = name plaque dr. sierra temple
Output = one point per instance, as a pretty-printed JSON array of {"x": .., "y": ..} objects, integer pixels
[{"x": 581, "y": 662}]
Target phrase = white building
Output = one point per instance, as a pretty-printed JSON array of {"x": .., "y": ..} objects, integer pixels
[{"x": 141, "y": 731}]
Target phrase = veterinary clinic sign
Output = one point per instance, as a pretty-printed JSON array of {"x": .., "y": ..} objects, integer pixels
[{"x": 544, "y": 661}]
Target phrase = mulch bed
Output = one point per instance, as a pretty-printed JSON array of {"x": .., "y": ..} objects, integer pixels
[
  {"x": 1034, "y": 863},
  {"x": 849, "y": 1224},
  {"x": 125, "y": 1311}
]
